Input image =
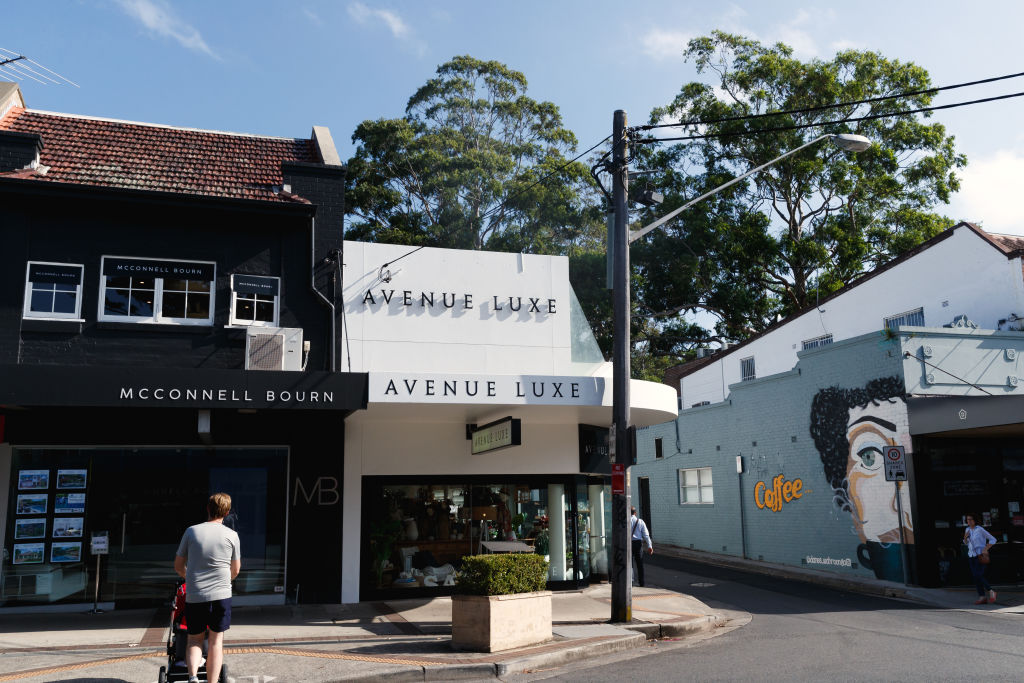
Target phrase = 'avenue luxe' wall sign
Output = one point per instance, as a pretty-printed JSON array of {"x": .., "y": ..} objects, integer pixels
[
  {"x": 391, "y": 387},
  {"x": 381, "y": 298}
]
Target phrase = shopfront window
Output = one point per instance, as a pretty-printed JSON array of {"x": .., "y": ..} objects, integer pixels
[
  {"x": 143, "y": 498},
  {"x": 417, "y": 533}
]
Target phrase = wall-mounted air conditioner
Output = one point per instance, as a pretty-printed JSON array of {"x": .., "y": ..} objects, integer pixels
[{"x": 273, "y": 348}]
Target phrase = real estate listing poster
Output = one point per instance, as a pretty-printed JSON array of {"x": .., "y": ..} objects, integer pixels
[
  {"x": 71, "y": 479},
  {"x": 29, "y": 480},
  {"x": 32, "y": 504},
  {"x": 68, "y": 527},
  {"x": 67, "y": 503},
  {"x": 30, "y": 528},
  {"x": 29, "y": 553},
  {"x": 64, "y": 551}
]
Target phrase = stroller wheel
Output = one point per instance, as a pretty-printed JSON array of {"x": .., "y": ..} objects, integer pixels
[{"x": 162, "y": 677}]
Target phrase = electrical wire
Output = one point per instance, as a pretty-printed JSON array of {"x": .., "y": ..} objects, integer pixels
[
  {"x": 798, "y": 126},
  {"x": 907, "y": 354},
  {"x": 825, "y": 107}
]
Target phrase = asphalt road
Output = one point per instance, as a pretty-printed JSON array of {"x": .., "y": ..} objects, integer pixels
[{"x": 784, "y": 630}]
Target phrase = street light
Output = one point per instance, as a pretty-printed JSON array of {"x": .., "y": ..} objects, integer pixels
[{"x": 621, "y": 569}]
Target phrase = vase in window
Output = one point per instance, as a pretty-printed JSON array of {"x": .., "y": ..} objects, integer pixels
[{"x": 411, "y": 531}]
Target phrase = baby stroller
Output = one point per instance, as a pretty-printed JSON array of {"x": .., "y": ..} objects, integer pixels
[{"x": 177, "y": 644}]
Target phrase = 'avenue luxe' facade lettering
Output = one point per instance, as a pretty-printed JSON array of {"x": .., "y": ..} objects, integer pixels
[
  {"x": 462, "y": 301},
  {"x": 489, "y": 388},
  {"x": 222, "y": 395}
]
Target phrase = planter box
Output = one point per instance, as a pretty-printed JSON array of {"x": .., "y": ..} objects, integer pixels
[{"x": 490, "y": 623}]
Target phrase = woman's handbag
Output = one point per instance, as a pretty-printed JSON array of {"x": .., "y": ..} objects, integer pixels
[{"x": 984, "y": 558}]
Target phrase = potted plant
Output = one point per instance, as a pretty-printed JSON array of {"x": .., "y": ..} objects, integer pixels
[
  {"x": 383, "y": 534},
  {"x": 501, "y": 603}
]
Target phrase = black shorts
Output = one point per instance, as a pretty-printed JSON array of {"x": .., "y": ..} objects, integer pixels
[{"x": 214, "y": 615}]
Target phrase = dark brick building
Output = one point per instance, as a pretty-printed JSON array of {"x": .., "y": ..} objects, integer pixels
[{"x": 169, "y": 324}]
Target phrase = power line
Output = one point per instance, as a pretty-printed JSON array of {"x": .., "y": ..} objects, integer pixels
[
  {"x": 825, "y": 107},
  {"x": 798, "y": 126}
]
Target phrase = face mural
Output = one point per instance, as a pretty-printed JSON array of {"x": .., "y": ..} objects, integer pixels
[{"x": 851, "y": 428}]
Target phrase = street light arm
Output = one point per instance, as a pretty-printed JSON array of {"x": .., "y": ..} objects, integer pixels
[{"x": 635, "y": 235}]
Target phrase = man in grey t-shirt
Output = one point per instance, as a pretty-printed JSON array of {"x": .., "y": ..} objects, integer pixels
[{"x": 209, "y": 558}]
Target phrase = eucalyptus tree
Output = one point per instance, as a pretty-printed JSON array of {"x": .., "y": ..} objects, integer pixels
[
  {"x": 797, "y": 231},
  {"x": 474, "y": 163}
]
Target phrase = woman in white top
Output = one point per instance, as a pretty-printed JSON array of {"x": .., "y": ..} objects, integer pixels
[{"x": 978, "y": 542}]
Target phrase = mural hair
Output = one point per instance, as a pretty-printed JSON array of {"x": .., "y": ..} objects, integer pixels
[{"x": 830, "y": 414}]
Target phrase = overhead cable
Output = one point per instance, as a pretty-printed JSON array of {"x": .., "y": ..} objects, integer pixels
[
  {"x": 825, "y": 107},
  {"x": 819, "y": 124}
]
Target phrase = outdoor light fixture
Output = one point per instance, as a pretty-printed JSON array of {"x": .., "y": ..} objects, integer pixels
[{"x": 621, "y": 237}]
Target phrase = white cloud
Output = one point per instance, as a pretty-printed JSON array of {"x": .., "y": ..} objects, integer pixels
[
  {"x": 660, "y": 44},
  {"x": 313, "y": 16},
  {"x": 158, "y": 16},
  {"x": 840, "y": 45},
  {"x": 989, "y": 187},
  {"x": 364, "y": 15}
]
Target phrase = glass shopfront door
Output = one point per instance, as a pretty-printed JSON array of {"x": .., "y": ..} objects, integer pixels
[{"x": 417, "y": 530}]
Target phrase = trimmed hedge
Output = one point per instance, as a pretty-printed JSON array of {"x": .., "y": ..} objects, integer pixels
[{"x": 503, "y": 574}]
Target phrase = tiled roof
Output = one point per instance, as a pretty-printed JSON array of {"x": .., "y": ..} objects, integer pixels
[
  {"x": 89, "y": 151},
  {"x": 1011, "y": 244}
]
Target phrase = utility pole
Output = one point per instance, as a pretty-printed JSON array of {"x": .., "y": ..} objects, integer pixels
[{"x": 621, "y": 570}]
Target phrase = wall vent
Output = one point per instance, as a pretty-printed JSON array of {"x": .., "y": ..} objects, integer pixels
[{"x": 273, "y": 348}]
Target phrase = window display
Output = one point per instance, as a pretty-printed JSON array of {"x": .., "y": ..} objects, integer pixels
[{"x": 417, "y": 534}]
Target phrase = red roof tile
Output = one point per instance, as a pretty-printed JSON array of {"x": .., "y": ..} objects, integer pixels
[{"x": 88, "y": 151}]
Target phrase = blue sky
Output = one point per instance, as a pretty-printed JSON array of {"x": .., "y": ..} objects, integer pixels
[{"x": 279, "y": 68}]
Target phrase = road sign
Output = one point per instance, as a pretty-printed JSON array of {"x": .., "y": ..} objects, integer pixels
[
  {"x": 618, "y": 478},
  {"x": 895, "y": 463}
]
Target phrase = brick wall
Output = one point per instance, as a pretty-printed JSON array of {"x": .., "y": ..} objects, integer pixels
[
  {"x": 767, "y": 422},
  {"x": 82, "y": 230}
]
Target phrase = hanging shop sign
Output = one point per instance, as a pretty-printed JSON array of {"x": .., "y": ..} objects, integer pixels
[
  {"x": 387, "y": 387},
  {"x": 496, "y": 435}
]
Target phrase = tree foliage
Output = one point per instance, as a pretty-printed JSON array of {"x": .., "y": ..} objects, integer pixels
[
  {"x": 804, "y": 227},
  {"x": 460, "y": 169}
]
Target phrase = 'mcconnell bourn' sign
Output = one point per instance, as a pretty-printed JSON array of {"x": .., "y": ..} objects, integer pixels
[
  {"x": 171, "y": 394},
  {"x": 26, "y": 385}
]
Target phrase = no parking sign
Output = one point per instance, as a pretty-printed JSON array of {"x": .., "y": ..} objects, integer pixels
[{"x": 895, "y": 463}]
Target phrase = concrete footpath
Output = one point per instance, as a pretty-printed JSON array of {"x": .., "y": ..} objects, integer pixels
[
  {"x": 392, "y": 640},
  {"x": 1010, "y": 597}
]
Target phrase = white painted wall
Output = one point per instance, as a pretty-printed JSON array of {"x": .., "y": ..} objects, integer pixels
[
  {"x": 474, "y": 336},
  {"x": 963, "y": 274}
]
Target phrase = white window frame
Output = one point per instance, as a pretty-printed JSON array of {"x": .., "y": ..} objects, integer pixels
[
  {"x": 659, "y": 447},
  {"x": 744, "y": 375},
  {"x": 816, "y": 342},
  {"x": 703, "y": 489},
  {"x": 893, "y": 322},
  {"x": 234, "y": 321},
  {"x": 158, "y": 295},
  {"x": 27, "y": 311}
]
